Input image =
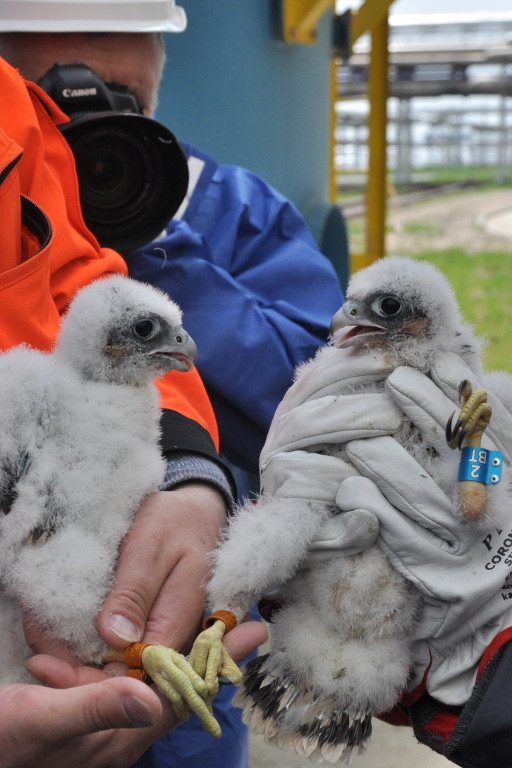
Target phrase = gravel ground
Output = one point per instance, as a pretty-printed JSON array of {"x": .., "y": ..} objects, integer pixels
[{"x": 474, "y": 221}]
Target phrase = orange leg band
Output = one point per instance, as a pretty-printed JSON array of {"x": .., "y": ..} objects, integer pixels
[
  {"x": 139, "y": 674},
  {"x": 133, "y": 655},
  {"x": 228, "y": 618}
]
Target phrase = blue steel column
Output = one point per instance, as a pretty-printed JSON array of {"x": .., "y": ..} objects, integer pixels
[{"x": 234, "y": 89}]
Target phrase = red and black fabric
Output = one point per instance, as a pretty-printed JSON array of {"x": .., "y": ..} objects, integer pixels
[{"x": 478, "y": 735}]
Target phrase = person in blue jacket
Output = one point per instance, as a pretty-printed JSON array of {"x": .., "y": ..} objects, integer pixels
[
  {"x": 256, "y": 293},
  {"x": 255, "y": 290}
]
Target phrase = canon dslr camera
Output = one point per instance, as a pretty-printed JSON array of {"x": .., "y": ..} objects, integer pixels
[{"x": 132, "y": 172}]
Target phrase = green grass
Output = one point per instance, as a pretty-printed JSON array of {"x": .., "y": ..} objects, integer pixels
[
  {"x": 449, "y": 175},
  {"x": 483, "y": 175},
  {"x": 413, "y": 228},
  {"x": 482, "y": 283}
]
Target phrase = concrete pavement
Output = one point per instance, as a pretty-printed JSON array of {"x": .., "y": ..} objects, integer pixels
[
  {"x": 499, "y": 223},
  {"x": 390, "y": 747}
]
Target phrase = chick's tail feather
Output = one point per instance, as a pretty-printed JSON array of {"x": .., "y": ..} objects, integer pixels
[{"x": 293, "y": 718}]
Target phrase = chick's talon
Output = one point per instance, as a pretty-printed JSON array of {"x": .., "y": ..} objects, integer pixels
[{"x": 473, "y": 418}]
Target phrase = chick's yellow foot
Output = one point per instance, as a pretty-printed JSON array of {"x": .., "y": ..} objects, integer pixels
[
  {"x": 184, "y": 688},
  {"x": 473, "y": 419},
  {"x": 210, "y": 659},
  {"x": 175, "y": 678}
]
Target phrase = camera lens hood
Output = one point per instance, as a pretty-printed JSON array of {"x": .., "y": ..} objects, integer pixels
[{"x": 132, "y": 174}]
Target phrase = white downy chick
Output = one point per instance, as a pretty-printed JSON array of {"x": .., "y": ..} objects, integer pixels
[
  {"x": 79, "y": 450},
  {"x": 340, "y": 646}
]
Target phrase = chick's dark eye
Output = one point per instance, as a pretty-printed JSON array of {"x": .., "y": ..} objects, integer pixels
[
  {"x": 387, "y": 306},
  {"x": 146, "y": 328}
]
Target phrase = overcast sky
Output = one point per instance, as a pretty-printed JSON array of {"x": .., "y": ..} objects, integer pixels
[
  {"x": 439, "y": 6},
  {"x": 450, "y": 6}
]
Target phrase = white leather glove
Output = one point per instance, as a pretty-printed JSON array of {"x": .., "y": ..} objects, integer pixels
[
  {"x": 312, "y": 415},
  {"x": 428, "y": 405},
  {"x": 462, "y": 572}
]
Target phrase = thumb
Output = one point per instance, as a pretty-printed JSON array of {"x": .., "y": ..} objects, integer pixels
[{"x": 113, "y": 703}]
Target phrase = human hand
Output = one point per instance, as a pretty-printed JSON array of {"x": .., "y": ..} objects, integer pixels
[
  {"x": 462, "y": 572},
  {"x": 312, "y": 414},
  {"x": 158, "y": 595},
  {"x": 95, "y": 725},
  {"x": 88, "y": 719}
]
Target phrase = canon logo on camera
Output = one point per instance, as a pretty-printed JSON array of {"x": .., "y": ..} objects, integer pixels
[{"x": 70, "y": 93}]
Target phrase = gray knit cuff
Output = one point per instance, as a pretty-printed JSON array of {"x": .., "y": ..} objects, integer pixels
[{"x": 190, "y": 468}]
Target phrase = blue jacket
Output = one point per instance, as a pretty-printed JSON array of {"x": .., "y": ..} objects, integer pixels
[{"x": 256, "y": 293}]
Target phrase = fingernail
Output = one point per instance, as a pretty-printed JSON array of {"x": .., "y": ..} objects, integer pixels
[
  {"x": 137, "y": 712},
  {"x": 124, "y": 628}
]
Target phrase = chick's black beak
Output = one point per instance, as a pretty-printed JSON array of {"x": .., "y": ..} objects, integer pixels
[
  {"x": 346, "y": 317},
  {"x": 180, "y": 352},
  {"x": 340, "y": 320},
  {"x": 349, "y": 327}
]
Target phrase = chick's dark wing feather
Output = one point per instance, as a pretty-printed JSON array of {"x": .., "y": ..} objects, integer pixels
[{"x": 12, "y": 472}]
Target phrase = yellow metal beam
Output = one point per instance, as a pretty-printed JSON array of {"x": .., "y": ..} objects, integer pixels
[
  {"x": 300, "y": 18},
  {"x": 377, "y": 124},
  {"x": 367, "y": 17},
  {"x": 372, "y": 16}
]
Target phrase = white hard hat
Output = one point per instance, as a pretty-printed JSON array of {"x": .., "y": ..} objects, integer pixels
[{"x": 91, "y": 16}]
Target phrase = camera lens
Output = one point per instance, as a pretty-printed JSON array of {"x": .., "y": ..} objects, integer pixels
[
  {"x": 113, "y": 171},
  {"x": 132, "y": 175},
  {"x": 106, "y": 172}
]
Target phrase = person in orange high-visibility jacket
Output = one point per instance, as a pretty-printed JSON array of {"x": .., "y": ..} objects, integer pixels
[{"x": 46, "y": 255}]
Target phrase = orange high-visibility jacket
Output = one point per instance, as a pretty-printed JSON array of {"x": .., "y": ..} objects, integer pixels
[{"x": 46, "y": 251}]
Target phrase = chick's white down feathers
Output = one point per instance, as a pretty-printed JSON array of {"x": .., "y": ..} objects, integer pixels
[
  {"x": 340, "y": 646},
  {"x": 79, "y": 450}
]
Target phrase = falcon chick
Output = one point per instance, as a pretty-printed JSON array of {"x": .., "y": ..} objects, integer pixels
[
  {"x": 340, "y": 646},
  {"x": 79, "y": 450}
]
